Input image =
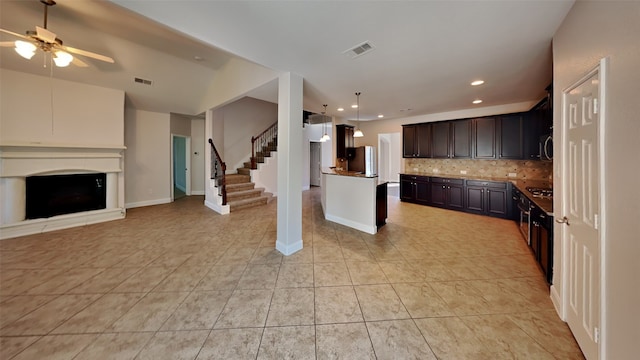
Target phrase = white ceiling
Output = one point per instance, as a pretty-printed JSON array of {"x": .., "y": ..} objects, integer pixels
[{"x": 426, "y": 52}]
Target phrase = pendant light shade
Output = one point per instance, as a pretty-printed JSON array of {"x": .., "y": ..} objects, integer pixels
[
  {"x": 358, "y": 132},
  {"x": 324, "y": 137}
]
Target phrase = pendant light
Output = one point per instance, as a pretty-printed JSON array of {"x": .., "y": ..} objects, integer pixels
[
  {"x": 358, "y": 132},
  {"x": 324, "y": 137}
]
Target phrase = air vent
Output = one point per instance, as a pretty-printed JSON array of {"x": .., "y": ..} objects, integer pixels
[
  {"x": 143, "y": 81},
  {"x": 360, "y": 49}
]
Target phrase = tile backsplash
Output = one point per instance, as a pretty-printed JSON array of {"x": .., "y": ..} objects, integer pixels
[{"x": 524, "y": 169}]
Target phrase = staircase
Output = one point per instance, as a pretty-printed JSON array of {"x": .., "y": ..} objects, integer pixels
[{"x": 241, "y": 192}]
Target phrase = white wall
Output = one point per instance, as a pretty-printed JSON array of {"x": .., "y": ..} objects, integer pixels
[
  {"x": 82, "y": 115},
  {"x": 591, "y": 31},
  {"x": 243, "y": 119},
  {"x": 197, "y": 156},
  {"x": 147, "y": 158}
]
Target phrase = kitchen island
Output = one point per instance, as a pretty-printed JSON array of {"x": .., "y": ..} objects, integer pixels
[{"x": 354, "y": 200}]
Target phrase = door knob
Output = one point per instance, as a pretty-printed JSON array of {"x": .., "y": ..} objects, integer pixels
[{"x": 564, "y": 220}]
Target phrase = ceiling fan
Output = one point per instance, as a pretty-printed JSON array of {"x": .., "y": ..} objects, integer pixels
[{"x": 47, "y": 41}]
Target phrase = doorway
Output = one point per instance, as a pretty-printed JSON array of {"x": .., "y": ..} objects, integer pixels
[
  {"x": 180, "y": 165},
  {"x": 315, "y": 160},
  {"x": 582, "y": 125}
]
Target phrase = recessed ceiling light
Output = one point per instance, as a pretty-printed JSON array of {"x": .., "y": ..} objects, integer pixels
[
  {"x": 340, "y": 109},
  {"x": 198, "y": 58},
  {"x": 380, "y": 115},
  {"x": 477, "y": 101},
  {"x": 354, "y": 106},
  {"x": 477, "y": 82}
]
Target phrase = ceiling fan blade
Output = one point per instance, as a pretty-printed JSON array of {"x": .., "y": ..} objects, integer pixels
[
  {"x": 79, "y": 63},
  {"x": 7, "y": 44},
  {"x": 14, "y": 34},
  {"x": 88, "y": 54}
]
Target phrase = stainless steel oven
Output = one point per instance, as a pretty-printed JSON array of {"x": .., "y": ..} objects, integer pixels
[{"x": 524, "y": 205}]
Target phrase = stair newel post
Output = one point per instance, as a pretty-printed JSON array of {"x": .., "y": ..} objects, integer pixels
[{"x": 254, "y": 165}]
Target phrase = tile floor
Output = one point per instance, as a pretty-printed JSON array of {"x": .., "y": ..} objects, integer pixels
[{"x": 179, "y": 281}]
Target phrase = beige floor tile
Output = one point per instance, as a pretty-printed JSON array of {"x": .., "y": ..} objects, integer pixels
[
  {"x": 18, "y": 306},
  {"x": 266, "y": 255},
  {"x": 98, "y": 316},
  {"x": 170, "y": 259},
  {"x": 144, "y": 280},
  {"x": 343, "y": 341},
  {"x": 140, "y": 258},
  {"x": 357, "y": 253},
  {"x": 104, "y": 281},
  {"x": 550, "y": 332},
  {"x": 222, "y": 277},
  {"x": 291, "y": 306},
  {"x": 421, "y": 300},
  {"x": 331, "y": 274},
  {"x": 236, "y": 256},
  {"x": 295, "y": 342},
  {"x": 504, "y": 338},
  {"x": 174, "y": 345},
  {"x": 398, "y": 339},
  {"x": 10, "y": 346},
  {"x": 303, "y": 256},
  {"x": 451, "y": 339},
  {"x": 116, "y": 346},
  {"x": 49, "y": 316},
  {"x": 366, "y": 273},
  {"x": 327, "y": 253},
  {"x": 337, "y": 305},
  {"x": 184, "y": 278},
  {"x": 30, "y": 278},
  {"x": 245, "y": 308},
  {"x": 200, "y": 310},
  {"x": 259, "y": 276},
  {"x": 56, "y": 347},
  {"x": 401, "y": 271},
  {"x": 463, "y": 298},
  {"x": 380, "y": 302},
  {"x": 150, "y": 312},
  {"x": 295, "y": 275},
  {"x": 64, "y": 281},
  {"x": 231, "y": 344}
]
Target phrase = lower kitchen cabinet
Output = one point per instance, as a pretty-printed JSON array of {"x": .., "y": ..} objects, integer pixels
[
  {"x": 414, "y": 188},
  {"x": 488, "y": 198},
  {"x": 542, "y": 241},
  {"x": 447, "y": 193}
]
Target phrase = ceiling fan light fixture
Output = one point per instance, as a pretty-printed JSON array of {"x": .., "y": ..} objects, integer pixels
[
  {"x": 62, "y": 58},
  {"x": 25, "y": 49}
]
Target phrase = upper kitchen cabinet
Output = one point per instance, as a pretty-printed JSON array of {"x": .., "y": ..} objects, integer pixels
[
  {"x": 416, "y": 141},
  {"x": 484, "y": 137},
  {"x": 344, "y": 140},
  {"x": 451, "y": 139},
  {"x": 510, "y": 139}
]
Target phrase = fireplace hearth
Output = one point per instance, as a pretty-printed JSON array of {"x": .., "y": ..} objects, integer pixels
[{"x": 52, "y": 195}]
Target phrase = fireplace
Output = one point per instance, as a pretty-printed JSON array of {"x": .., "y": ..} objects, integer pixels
[
  {"x": 53, "y": 195},
  {"x": 46, "y": 187}
]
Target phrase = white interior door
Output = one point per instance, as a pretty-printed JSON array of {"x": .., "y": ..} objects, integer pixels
[
  {"x": 314, "y": 163},
  {"x": 581, "y": 209}
]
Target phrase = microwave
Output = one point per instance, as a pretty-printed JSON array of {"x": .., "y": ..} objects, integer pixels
[{"x": 545, "y": 146}]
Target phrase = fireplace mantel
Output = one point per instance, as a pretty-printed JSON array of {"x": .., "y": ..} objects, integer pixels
[{"x": 20, "y": 160}]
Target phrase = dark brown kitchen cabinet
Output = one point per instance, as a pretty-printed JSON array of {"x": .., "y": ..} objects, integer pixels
[
  {"x": 488, "y": 198},
  {"x": 414, "y": 188},
  {"x": 381, "y": 204},
  {"x": 451, "y": 139},
  {"x": 510, "y": 138},
  {"x": 542, "y": 241},
  {"x": 416, "y": 141},
  {"x": 484, "y": 137},
  {"x": 344, "y": 140},
  {"x": 447, "y": 193}
]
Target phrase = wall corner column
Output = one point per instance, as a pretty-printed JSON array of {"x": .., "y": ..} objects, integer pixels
[{"x": 289, "y": 226}]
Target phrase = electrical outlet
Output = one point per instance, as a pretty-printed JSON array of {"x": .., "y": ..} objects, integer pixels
[
  {"x": 512, "y": 174},
  {"x": 463, "y": 172},
  {"x": 415, "y": 169},
  {"x": 435, "y": 171}
]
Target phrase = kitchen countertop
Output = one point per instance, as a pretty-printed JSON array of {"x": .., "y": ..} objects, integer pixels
[
  {"x": 333, "y": 171},
  {"x": 546, "y": 204}
]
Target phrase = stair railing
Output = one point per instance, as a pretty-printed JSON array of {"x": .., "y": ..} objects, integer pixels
[
  {"x": 218, "y": 170},
  {"x": 262, "y": 141}
]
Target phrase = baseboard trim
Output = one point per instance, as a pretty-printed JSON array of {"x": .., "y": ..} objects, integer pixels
[
  {"x": 288, "y": 249},
  {"x": 220, "y": 209},
  {"x": 197, "y": 192},
  {"x": 352, "y": 224},
  {"x": 147, "y": 203},
  {"x": 557, "y": 301}
]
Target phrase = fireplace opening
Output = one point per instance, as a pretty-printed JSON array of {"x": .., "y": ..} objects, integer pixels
[{"x": 53, "y": 195}]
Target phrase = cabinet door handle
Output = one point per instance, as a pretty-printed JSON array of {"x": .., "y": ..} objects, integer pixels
[{"x": 444, "y": 187}]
